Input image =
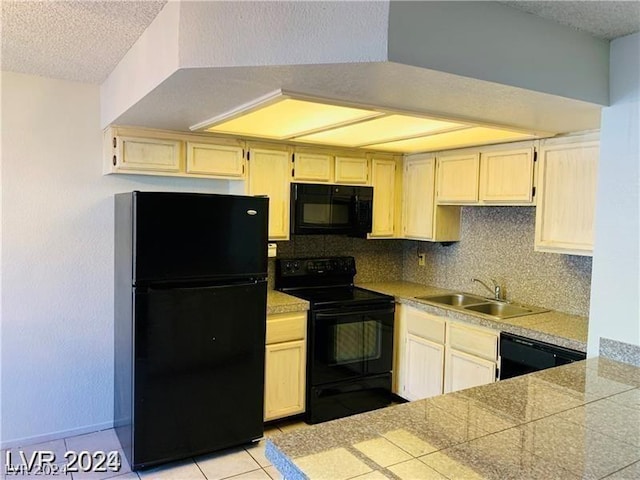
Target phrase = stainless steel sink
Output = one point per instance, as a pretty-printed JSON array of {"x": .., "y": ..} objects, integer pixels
[
  {"x": 454, "y": 299},
  {"x": 471, "y": 303},
  {"x": 501, "y": 310}
]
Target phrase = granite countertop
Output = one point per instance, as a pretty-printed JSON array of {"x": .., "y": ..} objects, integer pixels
[
  {"x": 558, "y": 328},
  {"x": 580, "y": 420},
  {"x": 278, "y": 302}
]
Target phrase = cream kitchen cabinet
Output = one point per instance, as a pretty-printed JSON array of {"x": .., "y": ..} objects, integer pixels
[
  {"x": 422, "y": 218},
  {"x": 157, "y": 152},
  {"x": 312, "y": 167},
  {"x": 386, "y": 185},
  {"x": 127, "y": 152},
  {"x": 351, "y": 170},
  {"x": 458, "y": 178},
  {"x": 506, "y": 176},
  {"x": 285, "y": 365},
  {"x": 215, "y": 159},
  {"x": 420, "y": 353},
  {"x": 500, "y": 175},
  {"x": 471, "y": 356},
  {"x": 566, "y": 195},
  {"x": 270, "y": 175}
]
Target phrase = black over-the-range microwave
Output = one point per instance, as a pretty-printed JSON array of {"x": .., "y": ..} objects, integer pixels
[{"x": 321, "y": 209}]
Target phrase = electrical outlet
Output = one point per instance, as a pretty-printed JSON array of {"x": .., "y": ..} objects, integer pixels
[{"x": 421, "y": 259}]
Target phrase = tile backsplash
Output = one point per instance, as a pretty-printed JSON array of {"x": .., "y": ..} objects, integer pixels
[
  {"x": 497, "y": 242},
  {"x": 376, "y": 260}
]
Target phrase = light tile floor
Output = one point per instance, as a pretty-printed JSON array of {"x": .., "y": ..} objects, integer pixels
[{"x": 248, "y": 463}]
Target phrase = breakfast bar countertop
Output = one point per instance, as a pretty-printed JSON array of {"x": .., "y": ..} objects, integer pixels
[
  {"x": 580, "y": 420},
  {"x": 554, "y": 327}
]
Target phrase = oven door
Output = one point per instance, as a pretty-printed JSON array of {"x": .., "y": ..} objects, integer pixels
[{"x": 350, "y": 343}]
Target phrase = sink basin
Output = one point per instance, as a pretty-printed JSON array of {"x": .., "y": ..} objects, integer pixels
[
  {"x": 454, "y": 299},
  {"x": 501, "y": 310},
  {"x": 465, "y": 302}
]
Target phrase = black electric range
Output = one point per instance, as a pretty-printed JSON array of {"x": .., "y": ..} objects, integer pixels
[{"x": 349, "y": 337}]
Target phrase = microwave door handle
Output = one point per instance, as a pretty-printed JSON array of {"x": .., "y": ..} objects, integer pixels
[{"x": 357, "y": 206}]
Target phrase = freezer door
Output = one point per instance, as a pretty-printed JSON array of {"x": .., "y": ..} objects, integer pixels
[
  {"x": 198, "y": 370},
  {"x": 190, "y": 236}
]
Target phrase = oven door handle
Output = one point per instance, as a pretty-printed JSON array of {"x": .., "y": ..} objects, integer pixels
[{"x": 355, "y": 312}]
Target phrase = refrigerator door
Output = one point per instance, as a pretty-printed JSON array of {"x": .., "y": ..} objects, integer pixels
[
  {"x": 199, "y": 370},
  {"x": 193, "y": 237}
]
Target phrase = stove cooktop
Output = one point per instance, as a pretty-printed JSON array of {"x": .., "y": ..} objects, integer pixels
[{"x": 339, "y": 296}]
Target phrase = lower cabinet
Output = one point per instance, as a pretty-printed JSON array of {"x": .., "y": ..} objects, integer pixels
[
  {"x": 435, "y": 355},
  {"x": 285, "y": 365}
]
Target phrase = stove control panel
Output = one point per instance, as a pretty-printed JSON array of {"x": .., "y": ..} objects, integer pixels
[{"x": 316, "y": 266}]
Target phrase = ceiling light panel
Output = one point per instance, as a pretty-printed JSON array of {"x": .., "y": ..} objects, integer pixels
[
  {"x": 378, "y": 130},
  {"x": 288, "y": 118},
  {"x": 456, "y": 139}
]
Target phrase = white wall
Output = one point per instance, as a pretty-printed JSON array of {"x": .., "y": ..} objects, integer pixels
[
  {"x": 615, "y": 285},
  {"x": 57, "y": 259}
]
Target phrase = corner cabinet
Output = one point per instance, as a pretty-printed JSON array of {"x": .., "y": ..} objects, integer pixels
[
  {"x": 386, "y": 180},
  {"x": 566, "y": 195},
  {"x": 270, "y": 174},
  {"x": 285, "y": 365},
  {"x": 422, "y": 219}
]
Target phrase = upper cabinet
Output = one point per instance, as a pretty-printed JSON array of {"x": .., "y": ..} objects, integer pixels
[
  {"x": 506, "y": 176},
  {"x": 500, "y": 175},
  {"x": 458, "y": 178},
  {"x": 384, "y": 181},
  {"x": 351, "y": 170},
  {"x": 270, "y": 174},
  {"x": 156, "y": 152},
  {"x": 422, "y": 218},
  {"x": 566, "y": 199},
  {"x": 312, "y": 167},
  {"x": 316, "y": 167},
  {"x": 224, "y": 161}
]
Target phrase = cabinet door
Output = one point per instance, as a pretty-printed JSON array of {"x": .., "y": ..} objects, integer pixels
[
  {"x": 383, "y": 180},
  {"x": 352, "y": 170},
  {"x": 224, "y": 161},
  {"x": 458, "y": 179},
  {"x": 418, "y": 196},
  {"x": 269, "y": 174},
  {"x": 423, "y": 369},
  {"x": 566, "y": 200},
  {"x": 284, "y": 385},
  {"x": 506, "y": 176},
  {"x": 153, "y": 154},
  {"x": 466, "y": 371},
  {"x": 312, "y": 167}
]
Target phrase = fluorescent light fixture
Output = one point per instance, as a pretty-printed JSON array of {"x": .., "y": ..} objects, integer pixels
[
  {"x": 284, "y": 116},
  {"x": 456, "y": 139},
  {"x": 378, "y": 130}
]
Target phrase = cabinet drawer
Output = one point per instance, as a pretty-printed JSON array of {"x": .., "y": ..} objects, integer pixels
[
  {"x": 285, "y": 327},
  {"x": 425, "y": 325},
  {"x": 481, "y": 343}
]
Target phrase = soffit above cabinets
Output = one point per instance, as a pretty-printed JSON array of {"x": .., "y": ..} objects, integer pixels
[{"x": 301, "y": 119}]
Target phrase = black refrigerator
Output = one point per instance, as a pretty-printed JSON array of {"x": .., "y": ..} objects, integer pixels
[{"x": 190, "y": 319}]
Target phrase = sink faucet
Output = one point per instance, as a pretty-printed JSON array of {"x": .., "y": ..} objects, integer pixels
[{"x": 496, "y": 290}]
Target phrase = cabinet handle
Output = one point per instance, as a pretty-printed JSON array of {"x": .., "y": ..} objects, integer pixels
[
  {"x": 115, "y": 142},
  {"x": 115, "y": 161}
]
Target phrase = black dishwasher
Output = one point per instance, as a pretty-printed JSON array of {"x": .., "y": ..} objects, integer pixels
[{"x": 520, "y": 355}]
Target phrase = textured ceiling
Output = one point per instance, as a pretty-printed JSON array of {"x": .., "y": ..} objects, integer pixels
[
  {"x": 607, "y": 20},
  {"x": 83, "y": 40},
  {"x": 71, "y": 40}
]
